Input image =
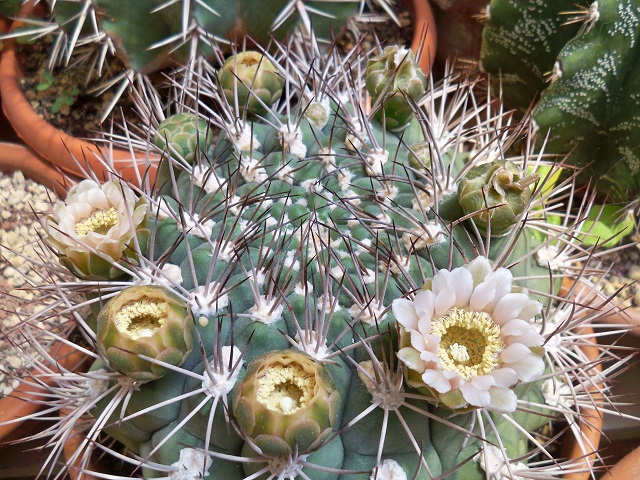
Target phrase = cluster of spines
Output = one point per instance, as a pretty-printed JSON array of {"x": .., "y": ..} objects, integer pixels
[{"x": 259, "y": 277}]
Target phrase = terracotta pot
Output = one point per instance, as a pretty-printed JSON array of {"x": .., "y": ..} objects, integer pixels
[
  {"x": 626, "y": 469},
  {"x": 425, "y": 37},
  {"x": 14, "y": 157},
  {"x": 68, "y": 153},
  {"x": 591, "y": 425},
  {"x": 27, "y": 399},
  {"x": 459, "y": 28}
]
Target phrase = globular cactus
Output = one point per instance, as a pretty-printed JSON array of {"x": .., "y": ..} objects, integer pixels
[
  {"x": 151, "y": 34},
  {"x": 580, "y": 61},
  {"x": 347, "y": 318}
]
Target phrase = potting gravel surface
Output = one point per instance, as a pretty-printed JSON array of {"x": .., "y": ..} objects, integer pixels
[{"x": 19, "y": 199}]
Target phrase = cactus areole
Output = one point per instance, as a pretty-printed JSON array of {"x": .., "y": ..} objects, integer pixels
[{"x": 312, "y": 301}]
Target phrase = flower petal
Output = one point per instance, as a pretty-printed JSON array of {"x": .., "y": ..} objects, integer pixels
[
  {"x": 495, "y": 286},
  {"x": 509, "y": 307},
  {"x": 505, "y": 377},
  {"x": 439, "y": 282},
  {"x": 411, "y": 358},
  {"x": 530, "y": 310},
  {"x": 514, "y": 353},
  {"x": 405, "y": 313},
  {"x": 475, "y": 396},
  {"x": 444, "y": 301},
  {"x": 436, "y": 380},
  {"x": 503, "y": 400},
  {"x": 482, "y": 295},
  {"x": 526, "y": 364},
  {"x": 479, "y": 268},
  {"x": 461, "y": 282},
  {"x": 483, "y": 382},
  {"x": 424, "y": 304},
  {"x": 519, "y": 331}
]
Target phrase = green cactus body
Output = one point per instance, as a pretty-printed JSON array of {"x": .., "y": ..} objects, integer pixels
[
  {"x": 520, "y": 43},
  {"x": 590, "y": 109},
  {"x": 149, "y": 35},
  {"x": 582, "y": 67},
  {"x": 290, "y": 248}
]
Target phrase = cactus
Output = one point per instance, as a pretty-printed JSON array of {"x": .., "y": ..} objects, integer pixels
[
  {"x": 584, "y": 74},
  {"x": 148, "y": 36},
  {"x": 348, "y": 319}
]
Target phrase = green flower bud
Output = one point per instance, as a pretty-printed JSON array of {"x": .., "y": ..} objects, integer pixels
[
  {"x": 251, "y": 78},
  {"x": 184, "y": 133},
  {"x": 286, "y": 402},
  {"x": 145, "y": 320},
  {"x": 391, "y": 77},
  {"x": 495, "y": 193}
]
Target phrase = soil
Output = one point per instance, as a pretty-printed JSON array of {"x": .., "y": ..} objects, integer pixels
[
  {"x": 385, "y": 33},
  {"x": 62, "y": 96}
]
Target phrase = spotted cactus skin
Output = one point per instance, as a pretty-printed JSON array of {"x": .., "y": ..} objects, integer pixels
[
  {"x": 520, "y": 42},
  {"x": 585, "y": 75},
  {"x": 591, "y": 110}
]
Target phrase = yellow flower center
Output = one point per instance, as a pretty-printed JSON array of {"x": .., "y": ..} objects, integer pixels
[
  {"x": 286, "y": 389},
  {"x": 140, "y": 319},
  {"x": 470, "y": 342},
  {"x": 99, "y": 222}
]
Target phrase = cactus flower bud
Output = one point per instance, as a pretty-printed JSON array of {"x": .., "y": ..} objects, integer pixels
[
  {"x": 495, "y": 193},
  {"x": 93, "y": 230},
  {"x": 251, "y": 79},
  {"x": 183, "y": 133},
  {"x": 145, "y": 320},
  {"x": 393, "y": 77},
  {"x": 287, "y": 402}
]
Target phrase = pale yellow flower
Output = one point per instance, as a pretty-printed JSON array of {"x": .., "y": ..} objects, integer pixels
[{"x": 93, "y": 230}]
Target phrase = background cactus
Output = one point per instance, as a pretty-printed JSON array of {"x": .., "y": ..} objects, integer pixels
[
  {"x": 581, "y": 60},
  {"x": 150, "y": 35},
  {"x": 290, "y": 242}
]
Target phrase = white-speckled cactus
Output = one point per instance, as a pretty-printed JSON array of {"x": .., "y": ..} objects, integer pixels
[
  {"x": 319, "y": 299},
  {"x": 579, "y": 59}
]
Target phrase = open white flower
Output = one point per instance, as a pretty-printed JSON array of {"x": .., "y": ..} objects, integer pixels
[
  {"x": 467, "y": 337},
  {"x": 92, "y": 230}
]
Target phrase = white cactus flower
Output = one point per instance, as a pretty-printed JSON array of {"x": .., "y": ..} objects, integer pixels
[
  {"x": 469, "y": 338},
  {"x": 93, "y": 229}
]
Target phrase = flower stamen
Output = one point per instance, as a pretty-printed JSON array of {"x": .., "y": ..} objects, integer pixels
[
  {"x": 140, "y": 319},
  {"x": 470, "y": 342},
  {"x": 99, "y": 222},
  {"x": 286, "y": 389}
]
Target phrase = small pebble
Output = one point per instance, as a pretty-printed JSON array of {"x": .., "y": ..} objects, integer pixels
[
  {"x": 636, "y": 299},
  {"x": 634, "y": 272},
  {"x": 18, "y": 199}
]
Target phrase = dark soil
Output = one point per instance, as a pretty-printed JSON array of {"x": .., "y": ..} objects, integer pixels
[
  {"x": 385, "y": 33},
  {"x": 61, "y": 97}
]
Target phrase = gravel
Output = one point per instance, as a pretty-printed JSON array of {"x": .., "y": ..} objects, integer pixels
[
  {"x": 625, "y": 273},
  {"x": 19, "y": 199}
]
